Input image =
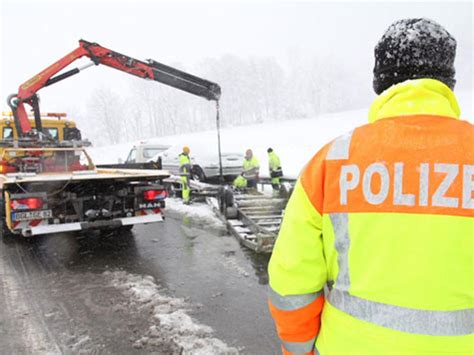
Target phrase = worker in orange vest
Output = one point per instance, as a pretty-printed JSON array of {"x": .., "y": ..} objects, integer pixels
[{"x": 375, "y": 253}]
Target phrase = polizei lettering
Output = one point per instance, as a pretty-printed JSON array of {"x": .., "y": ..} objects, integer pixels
[{"x": 392, "y": 185}]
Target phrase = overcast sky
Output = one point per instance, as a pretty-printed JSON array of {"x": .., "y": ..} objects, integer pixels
[{"x": 35, "y": 34}]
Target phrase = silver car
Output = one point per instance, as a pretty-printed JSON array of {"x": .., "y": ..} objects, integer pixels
[
  {"x": 205, "y": 163},
  {"x": 145, "y": 152}
]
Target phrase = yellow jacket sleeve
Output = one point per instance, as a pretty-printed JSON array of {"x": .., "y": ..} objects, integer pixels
[{"x": 297, "y": 265}]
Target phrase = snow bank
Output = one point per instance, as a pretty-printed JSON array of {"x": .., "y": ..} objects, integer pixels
[
  {"x": 169, "y": 317},
  {"x": 199, "y": 212}
]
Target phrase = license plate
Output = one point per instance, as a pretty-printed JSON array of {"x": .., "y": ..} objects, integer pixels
[{"x": 27, "y": 216}]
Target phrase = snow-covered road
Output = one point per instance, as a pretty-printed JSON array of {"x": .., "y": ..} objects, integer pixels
[{"x": 183, "y": 286}]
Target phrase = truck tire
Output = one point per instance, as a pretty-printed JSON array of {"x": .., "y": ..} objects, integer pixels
[
  {"x": 127, "y": 228},
  {"x": 231, "y": 213},
  {"x": 116, "y": 230},
  {"x": 5, "y": 233},
  {"x": 225, "y": 199}
]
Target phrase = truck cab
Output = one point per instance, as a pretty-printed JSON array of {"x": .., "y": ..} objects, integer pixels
[{"x": 56, "y": 125}]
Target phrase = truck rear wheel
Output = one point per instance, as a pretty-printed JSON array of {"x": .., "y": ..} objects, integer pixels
[
  {"x": 127, "y": 228},
  {"x": 5, "y": 233},
  {"x": 117, "y": 230}
]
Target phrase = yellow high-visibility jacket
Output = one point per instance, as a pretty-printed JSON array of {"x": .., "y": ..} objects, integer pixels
[
  {"x": 251, "y": 168},
  {"x": 273, "y": 162},
  {"x": 376, "y": 250},
  {"x": 184, "y": 164}
]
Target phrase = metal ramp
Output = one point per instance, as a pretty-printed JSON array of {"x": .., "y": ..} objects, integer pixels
[{"x": 252, "y": 217}]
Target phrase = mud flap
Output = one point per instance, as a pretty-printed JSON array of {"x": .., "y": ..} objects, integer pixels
[{"x": 78, "y": 226}]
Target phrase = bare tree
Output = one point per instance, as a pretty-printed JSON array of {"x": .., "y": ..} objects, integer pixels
[
  {"x": 107, "y": 110},
  {"x": 254, "y": 90}
]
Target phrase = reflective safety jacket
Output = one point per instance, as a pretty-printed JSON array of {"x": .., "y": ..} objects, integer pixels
[
  {"x": 184, "y": 164},
  {"x": 274, "y": 164},
  {"x": 251, "y": 168},
  {"x": 376, "y": 250}
]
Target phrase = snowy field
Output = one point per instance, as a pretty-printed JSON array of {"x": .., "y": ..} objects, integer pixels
[{"x": 295, "y": 141}]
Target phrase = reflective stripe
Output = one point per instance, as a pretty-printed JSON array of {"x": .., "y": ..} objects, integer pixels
[
  {"x": 299, "y": 348},
  {"x": 340, "y": 224},
  {"x": 414, "y": 321},
  {"x": 251, "y": 173},
  {"x": 439, "y": 323},
  {"x": 292, "y": 302},
  {"x": 185, "y": 168},
  {"x": 340, "y": 147},
  {"x": 251, "y": 170}
]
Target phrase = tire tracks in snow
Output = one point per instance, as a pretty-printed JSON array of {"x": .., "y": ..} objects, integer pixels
[
  {"x": 24, "y": 330},
  {"x": 169, "y": 319}
]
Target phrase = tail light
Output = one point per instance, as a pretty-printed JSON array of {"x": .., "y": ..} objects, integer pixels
[
  {"x": 153, "y": 195},
  {"x": 32, "y": 203},
  {"x": 6, "y": 168}
]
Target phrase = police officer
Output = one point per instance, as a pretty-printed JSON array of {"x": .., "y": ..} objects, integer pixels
[{"x": 379, "y": 229}]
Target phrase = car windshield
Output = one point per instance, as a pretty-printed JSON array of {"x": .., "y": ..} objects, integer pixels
[
  {"x": 132, "y": 156},
  {"x": 53, "y": 132},
  {"x": 151, "y": 152}
]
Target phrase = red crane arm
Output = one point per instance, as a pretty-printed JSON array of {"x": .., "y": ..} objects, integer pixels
[
  {"x": 27, "y": 92},
  {"x": 30, "y": 87}
]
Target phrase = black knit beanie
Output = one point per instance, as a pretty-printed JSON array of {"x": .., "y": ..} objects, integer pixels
[{"x": 414, "y": 49}]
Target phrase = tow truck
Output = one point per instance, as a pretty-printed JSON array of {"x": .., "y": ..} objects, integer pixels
[{"x": 48, "y": 182}]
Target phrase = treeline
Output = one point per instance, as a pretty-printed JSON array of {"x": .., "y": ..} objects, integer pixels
[{"x": 254, "y": 90}]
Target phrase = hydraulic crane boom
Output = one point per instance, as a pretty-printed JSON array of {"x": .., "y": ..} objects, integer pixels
[{"x": 150, "y": 69}]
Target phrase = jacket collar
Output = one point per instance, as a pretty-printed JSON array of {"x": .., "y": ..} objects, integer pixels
[{"x": 415, "y": 97}]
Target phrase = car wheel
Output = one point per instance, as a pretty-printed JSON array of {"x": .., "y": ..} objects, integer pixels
[
  {"x": 127, "y": 228},
  {"x": 198, "y": 174}
]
